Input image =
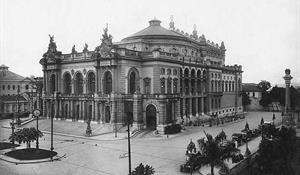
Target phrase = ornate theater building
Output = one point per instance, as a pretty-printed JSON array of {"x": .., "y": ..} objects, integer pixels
[{"x": 151, "y": 79}]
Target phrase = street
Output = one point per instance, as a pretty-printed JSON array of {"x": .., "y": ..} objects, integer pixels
[{"x": 87, "y": 156}]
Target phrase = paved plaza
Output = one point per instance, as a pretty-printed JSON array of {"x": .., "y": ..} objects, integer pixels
[{"x": 104, "y": 155}]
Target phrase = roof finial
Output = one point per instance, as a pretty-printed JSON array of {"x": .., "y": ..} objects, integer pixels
[
  {"x": 171, "y": 24},
  {"x": 195, "y": 31}
]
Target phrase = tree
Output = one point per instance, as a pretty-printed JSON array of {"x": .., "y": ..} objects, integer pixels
[
  {"x": 275, "y": 152},
  {"x": 26, "y": 135},
  {"x": 265, "y": 98},
  {"x": 245, "y": 99},
  {"x": 214, "y": 153},
  {"x": 264, "y": 85},
  {"x": 143, "y": 170}
]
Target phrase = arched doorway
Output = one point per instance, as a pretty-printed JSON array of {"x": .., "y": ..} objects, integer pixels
[
  {"x": 107, "y": 114},
  {"x": 107, "y": 83},
  {"x": 151, "y": 117}
]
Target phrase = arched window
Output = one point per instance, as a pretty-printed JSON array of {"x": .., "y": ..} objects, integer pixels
[
  {"x": 162, "y": 85},
  {"x": 233, "y": 89},
  {"x": 132, "y": 84},
  {"x": 169, "y": 85},
  {"x": 174, "y": 72},
  {"x": 186, "y": 81},
  {"x": 169, "y": 71},
  {"x": 52, "y": 83},
  {"x": 162, "y": 71},
  {"x": 67, "y": 83},
  {"x": 91, "y": 82},
  {"x": 107, "y": 83},
  {"x": 13, "y": 87},
  {"x": 8, "y": 87},
  {"x": 204, "y": 74},
  {"x": 27, "y": 87},
  {"x": 78, "y": 83},
  {"x": 193, "y": 81},
  {"x": 226, "y": 86},
  {"x": 175, "y": 85},
  {"x": 147, "y": 85},
  {"x": 212, "y": 85}
]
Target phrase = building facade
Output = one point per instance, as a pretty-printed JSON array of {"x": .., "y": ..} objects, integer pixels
[
  {"x": 151, "y": 79},
  {"x": 255, "y": 95},
  {"x": 16, "y": 93}
]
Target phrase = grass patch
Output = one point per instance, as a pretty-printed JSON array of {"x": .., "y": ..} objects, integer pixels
[
  {"x": 7, "y": 145},
  {"x": 30, "y": 154}
]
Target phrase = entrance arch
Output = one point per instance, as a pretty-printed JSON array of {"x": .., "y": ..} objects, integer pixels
[{"x": 151, "y": 117}]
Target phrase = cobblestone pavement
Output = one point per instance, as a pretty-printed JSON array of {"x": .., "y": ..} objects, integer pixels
[{"x": 96, "y": 156}]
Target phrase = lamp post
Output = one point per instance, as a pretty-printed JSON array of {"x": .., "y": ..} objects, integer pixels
[
  {"x": 129, "y": 152},
  {"x": 18, "y": 116},
  {"x": 52, "y": 116},
  {"x": 37, "y": 113},
  {"x": 12, "y": 124}
]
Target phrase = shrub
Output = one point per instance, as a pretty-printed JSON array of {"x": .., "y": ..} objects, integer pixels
[
  {"x": 26, "y": 135},
  {"x": 172, "y": 129},
  {"x": 143, "y": 170}
]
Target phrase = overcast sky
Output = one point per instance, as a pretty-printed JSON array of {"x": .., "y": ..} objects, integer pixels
[{"x": 261, "y": 35}]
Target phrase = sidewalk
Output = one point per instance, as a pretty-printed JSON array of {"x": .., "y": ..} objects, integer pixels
[{"x": 104, "y": 132}]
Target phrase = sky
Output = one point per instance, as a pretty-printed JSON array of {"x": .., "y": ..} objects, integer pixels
[{"x": 261, "y": 35}]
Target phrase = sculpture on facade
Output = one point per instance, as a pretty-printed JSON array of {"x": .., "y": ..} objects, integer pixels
[
  {"x": 85, "y": 48},
  {"x": 74, "y": 50},
  {"x": 104, "y": 50},
  {"x": 52, "y": 55}
]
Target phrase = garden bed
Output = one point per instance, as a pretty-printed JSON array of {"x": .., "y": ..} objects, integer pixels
[
  {"x": 7, "y": 145},
  {"x": 30, "y": 154}
]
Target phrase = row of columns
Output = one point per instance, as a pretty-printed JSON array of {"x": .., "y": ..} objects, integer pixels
[
  {"x": 188, "y": 103},
  {"x": 195, "y": 91}
]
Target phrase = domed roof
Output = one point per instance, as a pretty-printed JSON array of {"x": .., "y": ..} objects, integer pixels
[{"x": 154, "y": 29}]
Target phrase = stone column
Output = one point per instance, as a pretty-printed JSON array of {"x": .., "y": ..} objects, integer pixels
[
  {"x": 183, "y": 108},
  {"x": 60, "y": 107},
  {"x": 197, "y": 107},
  {"x": 137, "y": 110},
  {"x": 202, "y": 105},
  {"x": 287, "y": 79},
  {"x": 190, "y": 107}
]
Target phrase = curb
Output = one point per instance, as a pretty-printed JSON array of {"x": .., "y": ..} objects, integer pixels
[
  {"x": 16, "y": 161},
  {"x": 82, "y": 137}
]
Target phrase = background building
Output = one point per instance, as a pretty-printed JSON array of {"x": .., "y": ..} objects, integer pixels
[
  {"x": 16, "y": 92},
  {"x": 152, "y": 78},
  {"x": 255, "y": 95}
]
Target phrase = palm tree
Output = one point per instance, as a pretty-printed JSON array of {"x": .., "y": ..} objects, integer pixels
[
  {"x": 214, "y": 153},
  {"x": 143, "y": 170}
]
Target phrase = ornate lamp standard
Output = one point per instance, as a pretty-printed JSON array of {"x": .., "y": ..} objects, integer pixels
[{"x": 37, "y": 113}]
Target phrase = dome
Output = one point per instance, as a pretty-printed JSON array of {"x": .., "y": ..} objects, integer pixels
[{"x": 154, "y": 29}]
